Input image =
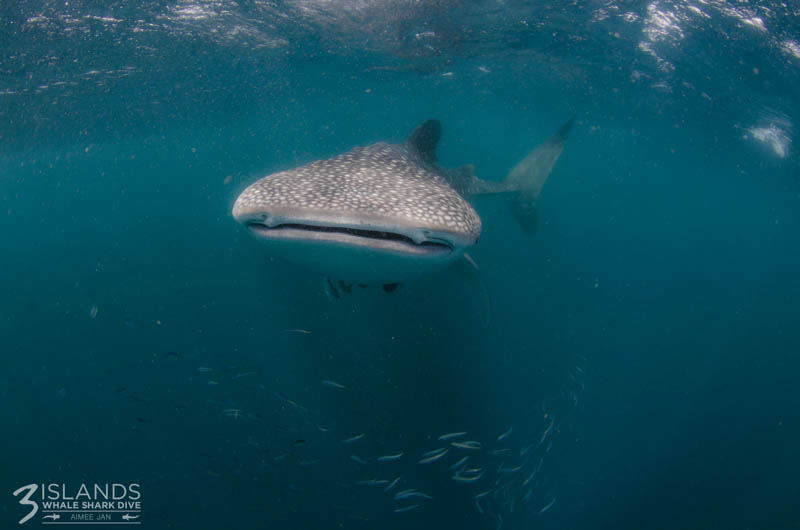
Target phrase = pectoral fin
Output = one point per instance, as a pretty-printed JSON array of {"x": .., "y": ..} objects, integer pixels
[
  {"x": 468, "y": 270},
  {"x": 523, "y": 209}
]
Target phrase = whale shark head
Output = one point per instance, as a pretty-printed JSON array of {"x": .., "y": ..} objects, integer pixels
[{"x": 377, "y": 214}]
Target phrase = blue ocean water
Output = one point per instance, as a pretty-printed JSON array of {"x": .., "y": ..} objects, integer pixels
[{"x": 641, "y": 347}]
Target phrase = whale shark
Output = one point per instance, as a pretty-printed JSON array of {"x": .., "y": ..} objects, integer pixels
[{"x": 386, "y": 213}]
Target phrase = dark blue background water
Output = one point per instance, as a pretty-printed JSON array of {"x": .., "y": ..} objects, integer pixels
[{"x": 653, "y": 317}]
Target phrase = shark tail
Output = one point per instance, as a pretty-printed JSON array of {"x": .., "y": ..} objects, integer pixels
[{"x": 529, "y": 175}]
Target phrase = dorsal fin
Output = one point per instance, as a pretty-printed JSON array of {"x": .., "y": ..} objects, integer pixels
[{"x": 424, "y": 139}]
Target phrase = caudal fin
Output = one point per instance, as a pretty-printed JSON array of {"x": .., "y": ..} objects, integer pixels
[{"x": 530, "y": 174}]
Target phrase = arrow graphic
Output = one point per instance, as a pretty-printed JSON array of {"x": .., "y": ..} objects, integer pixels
[
  {"x": 128, "y": 517},
  {"x": 53, "y": 516}
]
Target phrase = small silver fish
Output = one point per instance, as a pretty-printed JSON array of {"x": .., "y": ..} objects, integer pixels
[
  {"x": 505, "y": 434},
  {"x": 527, "y": 496},
  {"x": 406, "y": 491},
  {"x": 525, "y": 449},
  {"x": 458, "y": 464},
  {"x": 301, "y": 331},
  {"x": 434, "y": 452},
  {"x": 525, "y": 482},
  {"x": 433, "y": 458},
  {"x": 389, "y": 458},
  {"x": 392, "y": 484},
  {"x": 409, "y": 494},
  {"x": 546, "y": 431},
  {"x": 290, "y": 402},
  {"x": 460, "y": 478},
  {"x": 355, "y": 458},
  {"x": 548, "y": 505},
  {"x": 502, "y": 469},
  {"x": 353, "y": 439},
  {"x": 467, "y": 445},
  {"x": 334, "y": 384},
  {"x": 406, "y": 508},
  {"x": 451, "y": 435}
]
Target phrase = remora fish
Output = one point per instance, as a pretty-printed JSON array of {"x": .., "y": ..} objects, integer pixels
[{"x": 386, "y": 212}]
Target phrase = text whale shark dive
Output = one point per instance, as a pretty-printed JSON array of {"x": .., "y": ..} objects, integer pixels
[{"x": 386, "y": 213}]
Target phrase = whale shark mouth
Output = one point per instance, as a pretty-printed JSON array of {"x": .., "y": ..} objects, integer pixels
[{"x": 379, "y": 240}]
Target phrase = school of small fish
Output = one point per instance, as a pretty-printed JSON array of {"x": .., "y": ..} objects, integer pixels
[{"x": 497, "y": 474}]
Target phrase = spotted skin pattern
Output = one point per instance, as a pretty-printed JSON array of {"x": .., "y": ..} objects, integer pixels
[{"x": 386, "y": 182}]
